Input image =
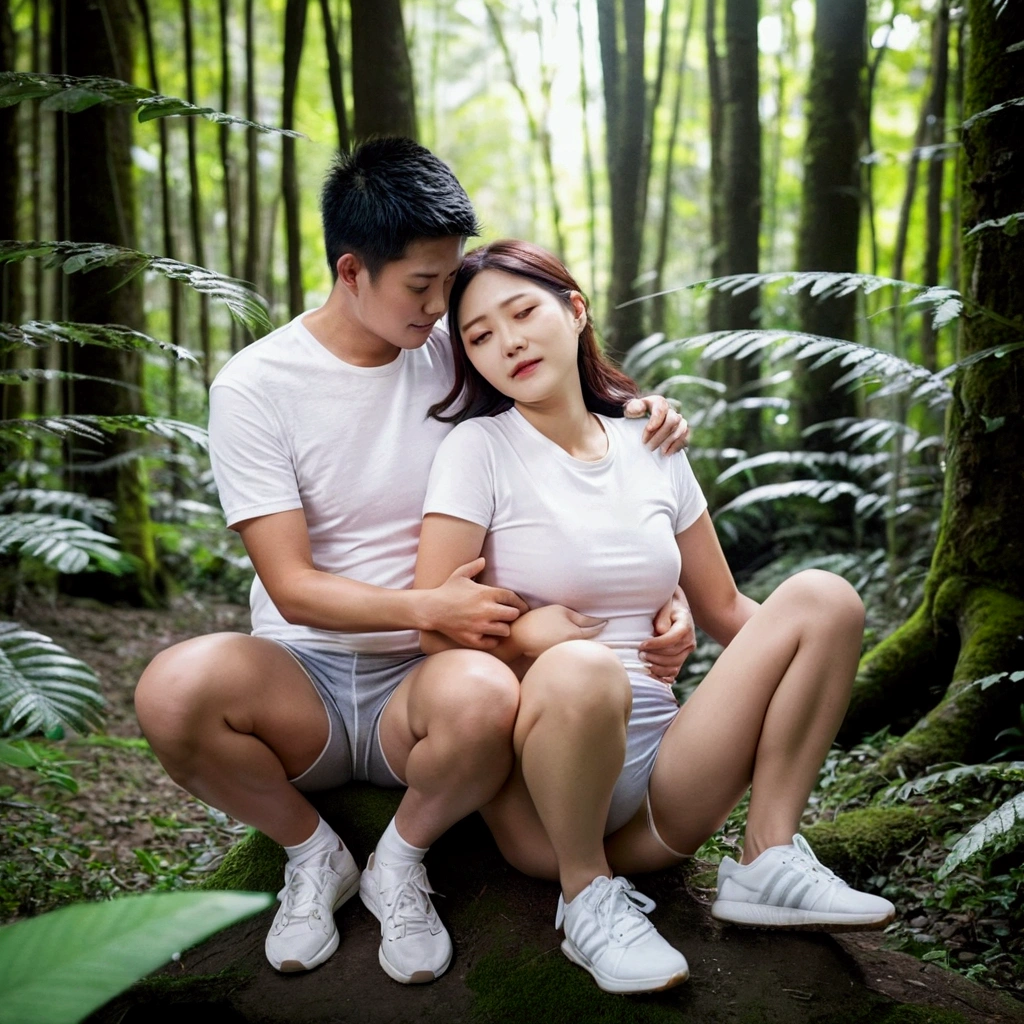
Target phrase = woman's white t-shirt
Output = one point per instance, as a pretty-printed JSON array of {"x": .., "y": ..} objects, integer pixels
[{"x": 597, "y": 537}]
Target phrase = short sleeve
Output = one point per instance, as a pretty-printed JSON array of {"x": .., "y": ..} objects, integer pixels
[
  {"x": 462, "y": 478},
  {"x": 690, "y": 500},
  {"x": 252, "y": 465}
]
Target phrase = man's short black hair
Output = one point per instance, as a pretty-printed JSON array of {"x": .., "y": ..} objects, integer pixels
[{"x": 384, "y": 195}]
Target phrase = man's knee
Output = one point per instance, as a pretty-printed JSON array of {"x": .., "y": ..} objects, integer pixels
[{"x": 480, "y": 694}]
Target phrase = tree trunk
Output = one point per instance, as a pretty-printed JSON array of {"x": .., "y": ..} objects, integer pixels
[
  {"x": 334, "y": 72},
  {"x": 294, "y": 34},
  {"x": 588, "y": 159},
  {"x": 227, "y": 162},
  {"x": 252, "y": 166},
  {"x": 716, "y": 115},
  {"x": 382, "y": 86},
  {"x": 665, "y": 223},
  {"x": 99, "y": 206},
  {"x": 936, "y": 171},
  {"x": 621, "y": 26},
  {"x": 969, "y": 623},
  {"x": 830, "y": 211},
  {"x": 740, "y": 201}
]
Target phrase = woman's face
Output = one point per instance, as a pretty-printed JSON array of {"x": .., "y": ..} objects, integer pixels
[{"x": 521, "y": 338}]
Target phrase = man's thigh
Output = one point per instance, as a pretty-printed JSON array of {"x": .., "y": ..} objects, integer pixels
[{"x": 190, "y": 691}]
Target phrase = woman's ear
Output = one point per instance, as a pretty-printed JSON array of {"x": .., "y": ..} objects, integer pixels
[{"x": 579, "y": 310}]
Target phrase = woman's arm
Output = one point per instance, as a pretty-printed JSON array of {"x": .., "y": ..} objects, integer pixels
[
  {"x": 446, "y": 543},
  {"x": 718, "y": 607}
]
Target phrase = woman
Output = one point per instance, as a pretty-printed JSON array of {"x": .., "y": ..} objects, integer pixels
[{"x": 540, "y": 477}]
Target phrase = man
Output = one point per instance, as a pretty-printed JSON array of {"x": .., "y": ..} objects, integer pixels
[{"x": 321, "y": 448}]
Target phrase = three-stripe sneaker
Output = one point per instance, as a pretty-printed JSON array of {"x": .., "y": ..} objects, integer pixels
[
  {"x": 788, "y": 887},
  {"x": 608, "y": 934}
]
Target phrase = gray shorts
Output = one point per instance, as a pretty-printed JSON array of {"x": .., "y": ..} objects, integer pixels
[
  {"x": 355, "y": 689},
  {"x": 654, "y": 709}
]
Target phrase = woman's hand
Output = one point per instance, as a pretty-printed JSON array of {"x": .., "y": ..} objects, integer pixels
[
  {"x": 675, "y": 638},
  {"x": 665, "y": 427},
  {"x": 543, "y": 628}
]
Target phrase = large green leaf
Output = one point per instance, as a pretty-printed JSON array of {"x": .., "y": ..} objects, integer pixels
[
  {"x": 59, "y": 967},
  {"x": 245, "y": 304},
  {"x": 70, "y": 95},
  {"x": 995, "y": 831},
  {"x": 66, "y": 545},
  {"x": 42, "y": 686},
  {"x": 39, "y": 333},
  {"x": 94, "y": 428}
]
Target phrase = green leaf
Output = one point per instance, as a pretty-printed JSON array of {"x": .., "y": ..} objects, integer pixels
[
  {"x": 73, "y": 100},
  {"x": 1009, "y": 224},
  {"x": 988, "y": 112},
  {"x": 245, "y": 304},
  {"x": 59, "y": 967},
  {"x": 991, "y": 831},
  {"x": 66, "y": 545},
  {"x": 39, "y": 333},
  {"x": 169, "y": 106},
  {"x": 15, "y": 756},
  {"x": 42, "y": 686}
]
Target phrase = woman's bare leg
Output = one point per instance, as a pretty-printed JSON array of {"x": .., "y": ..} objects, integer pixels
[
  {"x": 570, "y": 743},
  {"x": 764, "y": 717}
]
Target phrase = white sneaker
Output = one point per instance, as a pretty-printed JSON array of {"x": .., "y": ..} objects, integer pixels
[
  {"x": 608, "y": 934},
  {"x": 788, "y": 887},
  {"x": 303, "y": 934},
  {"x": 414, "y": 945}
]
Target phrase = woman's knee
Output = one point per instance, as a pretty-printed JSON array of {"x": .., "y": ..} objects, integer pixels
[
  {"x": 825, "y": 595},
  {"x": 531, "y": 855},
  {"x": 579, "y": 675}
]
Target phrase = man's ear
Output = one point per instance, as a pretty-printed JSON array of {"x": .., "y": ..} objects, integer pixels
[{"x": 349, "y": 265}]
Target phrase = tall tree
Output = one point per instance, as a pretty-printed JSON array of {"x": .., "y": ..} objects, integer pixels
[
  {"x": 335, "y": 76},
  {"x": 252, "y": 163},
  {"x": 382, "y": 86},
  {"x": 227, "y": 162},
  {"x": 94, "y": 183},
  {"x": 830, "y": 208},
  {"x": 736, "y": 195},
  {"x": 969, "y": 622},
  {"x": 294, "y": 35},
  {"x": 621, "y": 27},
  {"x": 588, "y": 157}
]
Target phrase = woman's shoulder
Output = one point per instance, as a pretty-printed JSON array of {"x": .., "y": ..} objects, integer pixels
[{"x": 478, "y": 435}]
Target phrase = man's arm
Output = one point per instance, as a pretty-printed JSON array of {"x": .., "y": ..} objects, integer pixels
[{"x": 279, "y": 547}]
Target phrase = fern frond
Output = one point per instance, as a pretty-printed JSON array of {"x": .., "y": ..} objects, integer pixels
[
  {"x": 859, "y": 432},
  {"x": 684, "y": 379},
  {"x": 66, "y": 545},
  {"x": 988, "y": 112},
  {"x": 999, "y": 829},
  {"x": 1008, "y": 223},
  {"x": 39, "y": 333},
  {"x": 67, "y": 502},
  {"x": 42, "y": 686},
  {"x": 806, "y": 460},
  {"x": 71, "y": 95},
  {"x": 95, "y": 427},
  {"x": 246, "y": 305},
  {"x": 823, "y": 491},
  {"x": 952, "y": 777}
]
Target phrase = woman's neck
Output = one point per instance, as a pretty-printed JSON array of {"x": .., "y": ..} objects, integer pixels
[{"x": 567, "y": 421}]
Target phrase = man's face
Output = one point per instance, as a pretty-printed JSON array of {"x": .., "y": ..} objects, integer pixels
[{"x": 411, "y": 294}]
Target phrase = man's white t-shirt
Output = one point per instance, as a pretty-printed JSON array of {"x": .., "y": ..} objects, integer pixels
[
  {"x": 598, "y": 537},
  {"x": 293, "y": 426}
]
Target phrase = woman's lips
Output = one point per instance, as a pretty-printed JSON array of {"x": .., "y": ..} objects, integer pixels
[{"x": 525, "y": 368}]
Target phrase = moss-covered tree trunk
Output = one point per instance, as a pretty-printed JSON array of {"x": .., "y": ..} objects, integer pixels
[
  {"x": 971, "y": 621},
  {"x": 830, "y": 206},
  {"x": 95, "y": 181}
]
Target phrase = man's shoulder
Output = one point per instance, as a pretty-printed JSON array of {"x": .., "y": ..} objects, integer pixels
[{"x": 250, "y": 364}]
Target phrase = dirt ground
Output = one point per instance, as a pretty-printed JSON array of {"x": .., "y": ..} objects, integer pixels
[{"x": 129, "y": 828}]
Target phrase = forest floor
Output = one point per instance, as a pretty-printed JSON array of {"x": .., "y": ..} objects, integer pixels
[{"x": 128, "y": 828}]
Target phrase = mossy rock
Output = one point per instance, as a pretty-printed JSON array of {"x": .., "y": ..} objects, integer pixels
[{"x": 859, "y": 843}]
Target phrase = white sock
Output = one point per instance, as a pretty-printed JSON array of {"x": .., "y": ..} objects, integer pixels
[
  {"x": 394, "y": 852},
  {"x": 323, "y": 840}
]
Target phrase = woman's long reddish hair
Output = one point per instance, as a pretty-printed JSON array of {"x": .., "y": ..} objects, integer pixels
[{"x": 605, "y": 389}]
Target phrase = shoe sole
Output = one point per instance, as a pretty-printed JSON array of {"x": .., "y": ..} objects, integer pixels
[
  {"x": 327, "y": 950},
  {"x": 618, "y": 986},
  {"x": 417, "y": 977},
  {"x": 759, "y": 915}
]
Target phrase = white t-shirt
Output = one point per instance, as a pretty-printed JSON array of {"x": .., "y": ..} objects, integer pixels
[
  {"x": 293, "y": 426},
  {"x": 598, "y": 537}
]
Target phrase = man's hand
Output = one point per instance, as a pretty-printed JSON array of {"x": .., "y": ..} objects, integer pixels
[
  {"x": 469, "y": 613},
  {"x": 665, "y": 427},
  {"x": 674, "y": 639},
  {"x": 542, "y": 628}
]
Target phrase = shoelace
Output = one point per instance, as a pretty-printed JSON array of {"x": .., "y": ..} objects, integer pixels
[
  {"x": 619, "y": 903},
  {"x": 410, "y": 908},
  {"x": 807, "y": 858},
  {"x": 298, "y": 899}
]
